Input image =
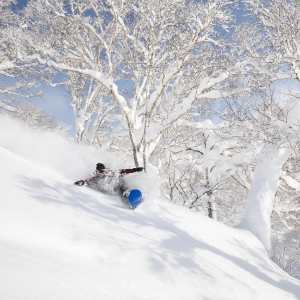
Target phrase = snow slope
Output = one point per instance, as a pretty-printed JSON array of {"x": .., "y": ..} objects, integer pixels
[{"x": 59, "y": 241}]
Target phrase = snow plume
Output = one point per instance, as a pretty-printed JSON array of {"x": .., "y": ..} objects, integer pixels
[
  {"x": 50, "y": 149},
  {"x": 62, "y": 155}
]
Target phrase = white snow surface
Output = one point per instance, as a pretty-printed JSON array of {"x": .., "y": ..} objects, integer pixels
[{"x": 60, "y": 241}]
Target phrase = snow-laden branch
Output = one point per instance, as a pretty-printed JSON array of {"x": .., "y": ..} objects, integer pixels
[
  {"x": 138, "y": 44},
  {"x": 162, "y": 49},
  {"x": 7, "y": 65},
  {"x": 282, "y": 28},
  {"x": 291, "y": 182},
  {"x": 107, "y": 82},
  {"x": 261, "y": 196},
  {"x": 7, "y": 107}
]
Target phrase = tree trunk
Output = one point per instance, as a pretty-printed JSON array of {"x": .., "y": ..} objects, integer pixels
[
  {"x": 265, "y": 182},
  {"x": 210, "y": 210},
  {"x": 212, "y": 213},
  {"x": 133, "y": 144}
]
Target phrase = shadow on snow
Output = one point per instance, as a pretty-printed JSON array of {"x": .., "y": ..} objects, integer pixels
[{"x": 178, "y": 249}]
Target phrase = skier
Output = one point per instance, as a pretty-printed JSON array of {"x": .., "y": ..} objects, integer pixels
[{"x": 109, "y": 181}]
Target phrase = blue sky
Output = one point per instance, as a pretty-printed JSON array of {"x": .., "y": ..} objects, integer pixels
[
  {"x": 20, "y": 5},
  {"x": 55, "y": 101}
]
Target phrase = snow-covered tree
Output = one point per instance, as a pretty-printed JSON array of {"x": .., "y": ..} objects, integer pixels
[
  {"x": 280, "y": 23},
  {"x": 30, "y": 115},
  {"x": 266, "y": 124},
  {"x": 7, "y": 57},
  {"x": 285, "y": 218},
  {"x": 91, "y": 108},
  {"x": 276, "y": 126},
  {"x": 170, "y": 52},
  {"x": 271, "y": 43},
  {"x": 15, "y": 63},
  {"x": 200, "y": 161}
]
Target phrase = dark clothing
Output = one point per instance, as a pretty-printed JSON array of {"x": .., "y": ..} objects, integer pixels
[
  {"x": 122, "y": 171},
  {"x": 108, "y": 181},
  {"x": 133, "y": 170}
]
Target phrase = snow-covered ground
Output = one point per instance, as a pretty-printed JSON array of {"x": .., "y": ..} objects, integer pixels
[{"x": 60, "y": 241}]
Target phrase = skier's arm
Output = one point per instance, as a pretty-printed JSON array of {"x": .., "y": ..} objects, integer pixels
[
  {"x": 80, "y": 182},
  {"x": 86, "y": 181},
  {"x": 133, "y": 170}
]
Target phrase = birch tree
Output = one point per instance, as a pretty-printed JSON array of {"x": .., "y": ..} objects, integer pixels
[
  {"x": 201, "y": 160},
  {"x": 170, "y": 50},
  {"x": 277, "y": 130},
  {"x": 280, "y": 21},
  {"x": 272, "y": 45},
  {"x": 91, "y": 108}
]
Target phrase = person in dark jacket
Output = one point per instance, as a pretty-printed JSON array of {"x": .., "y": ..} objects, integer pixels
[{"x": 107, "y": 180}]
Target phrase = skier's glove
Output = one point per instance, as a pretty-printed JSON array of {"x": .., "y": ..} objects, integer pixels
[
  {"x": 139, "y": 169},
  {"x": 79, "y": 182}
]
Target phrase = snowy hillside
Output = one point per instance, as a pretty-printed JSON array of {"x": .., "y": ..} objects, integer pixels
[{"x": 60, "y": 241}]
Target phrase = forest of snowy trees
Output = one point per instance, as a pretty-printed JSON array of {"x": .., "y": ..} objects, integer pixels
[{"x": 206, "y": 91}]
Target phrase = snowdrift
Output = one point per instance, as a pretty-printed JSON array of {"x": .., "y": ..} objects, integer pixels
[{"x": 59, "y": 241}]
